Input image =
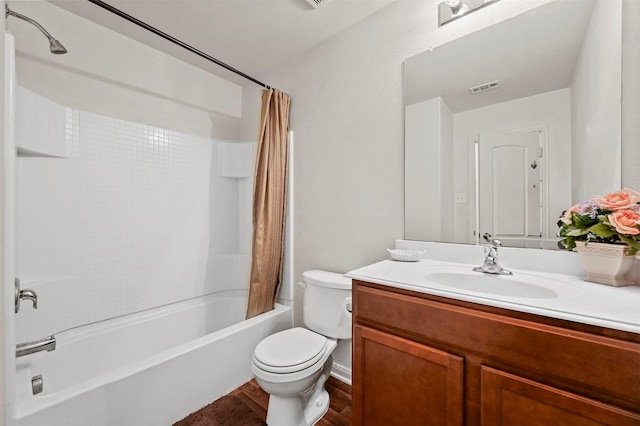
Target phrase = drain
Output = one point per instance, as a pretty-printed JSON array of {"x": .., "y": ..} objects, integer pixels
[{"x": 36, "y": 384}]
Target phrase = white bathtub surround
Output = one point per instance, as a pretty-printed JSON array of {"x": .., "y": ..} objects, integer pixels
[
  {"x": 7, "y": 232},
  {"x": 150, "y": 368},
  {"x": 287, "y": 288},
  {"x": 235, "y": 159},
  {"x": 128, "y": 218},
  {"x": 40, "y": 125},
  {"x": 122, "y": 203}
]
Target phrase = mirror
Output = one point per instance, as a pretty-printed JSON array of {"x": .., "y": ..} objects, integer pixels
[{"x": 503, "y": 126}]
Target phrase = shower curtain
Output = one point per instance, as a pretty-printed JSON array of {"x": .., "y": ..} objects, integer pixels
[{"x": 269, "y": 202}]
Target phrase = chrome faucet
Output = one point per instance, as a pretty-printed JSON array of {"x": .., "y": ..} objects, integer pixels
[
  {"x": 491, "y": 265},
  {"x": 47, "y": 344},
  {"x": 24, "y": 294}
]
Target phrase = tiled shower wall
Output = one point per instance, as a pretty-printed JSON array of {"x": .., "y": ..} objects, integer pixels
[{"x": 115, "y": 217}]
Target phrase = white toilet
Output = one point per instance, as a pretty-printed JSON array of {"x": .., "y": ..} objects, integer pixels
[{"x": 293, "y": 365}]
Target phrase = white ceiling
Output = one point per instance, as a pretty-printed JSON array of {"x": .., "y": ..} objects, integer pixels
[
  {"x": 253, "y": 36},
  {"x": 532, "y": 53}
]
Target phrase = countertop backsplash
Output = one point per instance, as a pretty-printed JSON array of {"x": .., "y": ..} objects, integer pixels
[{"x": 553, "y": 261}]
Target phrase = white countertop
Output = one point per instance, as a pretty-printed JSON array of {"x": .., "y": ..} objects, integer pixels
[{"x": 570, "y": 297}]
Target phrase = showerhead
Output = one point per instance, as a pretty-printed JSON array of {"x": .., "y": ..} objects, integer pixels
[{"x": 54, "y": 45}]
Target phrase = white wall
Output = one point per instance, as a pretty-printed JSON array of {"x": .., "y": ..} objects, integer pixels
[
  {"x": 630, "y": 89},
  {"x": 348, "y": 115},
  {"x": 428, "y": 168},
  {"x": 422, "y": 170},
  {"x": 447, "y": 175},
  {"x": 596, "y": 106}
]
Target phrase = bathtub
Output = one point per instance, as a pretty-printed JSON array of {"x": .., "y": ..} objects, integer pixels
[{"x": 150, "y": 368}]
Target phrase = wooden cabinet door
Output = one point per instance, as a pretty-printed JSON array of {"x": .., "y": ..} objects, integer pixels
[
  {"x": 507, "y": 399},
  {"x": 406, "y": 383}
]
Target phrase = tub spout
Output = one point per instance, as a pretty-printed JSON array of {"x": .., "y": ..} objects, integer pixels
[{"x": 47, "y": 344}]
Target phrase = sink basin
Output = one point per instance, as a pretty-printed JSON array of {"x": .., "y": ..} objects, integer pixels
[{"x": 511, "y": 286}]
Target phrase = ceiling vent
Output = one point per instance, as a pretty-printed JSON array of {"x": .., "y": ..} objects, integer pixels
[
  {"x": 484, "y": 87},
  {"x": 317, "y": 3}
]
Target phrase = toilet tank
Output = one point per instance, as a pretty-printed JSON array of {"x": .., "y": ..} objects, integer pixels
[{"x": 327, "y": 304}]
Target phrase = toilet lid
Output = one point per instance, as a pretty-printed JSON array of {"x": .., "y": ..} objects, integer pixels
[{"x": 290, "y": 350}]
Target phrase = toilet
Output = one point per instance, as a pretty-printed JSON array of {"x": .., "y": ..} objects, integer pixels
[{"x": 293, "y": 365}]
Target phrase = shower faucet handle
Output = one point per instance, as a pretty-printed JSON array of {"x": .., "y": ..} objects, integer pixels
[{"x": 24, "y": 294}]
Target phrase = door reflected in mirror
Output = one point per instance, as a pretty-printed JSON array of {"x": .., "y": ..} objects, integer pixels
[
  {"x": 509, "y": 179},
  {"x": 505, "y": 127}
]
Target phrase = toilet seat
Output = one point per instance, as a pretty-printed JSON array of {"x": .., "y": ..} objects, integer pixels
[{"x": 290, "y": 351}]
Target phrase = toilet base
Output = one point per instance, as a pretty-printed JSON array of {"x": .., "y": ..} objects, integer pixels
[
  {"x": 317, "y": 408},
  {"x": 301, "y": 410}
]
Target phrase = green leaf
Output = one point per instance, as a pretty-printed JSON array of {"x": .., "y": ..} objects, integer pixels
[
  {"x": 582, "y": 221},
  {"x": 576, "y": 232},
  {"x": 631, "y": 242},
  {"x": 570, "y": 243},
  {"x": 564, "y": 229},
  {"x": 601, "y": 230}
]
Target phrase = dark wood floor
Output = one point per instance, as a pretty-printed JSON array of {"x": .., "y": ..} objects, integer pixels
[{"x": 339, "y": 413}]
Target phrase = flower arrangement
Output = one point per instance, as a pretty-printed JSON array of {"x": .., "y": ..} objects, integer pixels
[{"x": 613, "y": 218}]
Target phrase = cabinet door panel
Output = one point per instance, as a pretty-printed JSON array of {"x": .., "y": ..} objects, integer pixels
[
  {"x": 507, "y": 399},
  {"x": 406, "y": 383}
]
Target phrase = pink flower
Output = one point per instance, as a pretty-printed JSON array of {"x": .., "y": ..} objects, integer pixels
[
  {"x": 623, "y": 199},
  {"x": 626, "y": 222}
]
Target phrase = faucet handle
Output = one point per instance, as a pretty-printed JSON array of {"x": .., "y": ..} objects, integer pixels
[
  {"x": 24, "y": 294},
  {"x": 489, "y": 239}
]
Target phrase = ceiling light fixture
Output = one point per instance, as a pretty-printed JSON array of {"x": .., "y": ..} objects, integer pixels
[
  {"x": 457, "y": 7},
  {"x": 317, "y": 3},
  {"x": 450, "y": 10}
]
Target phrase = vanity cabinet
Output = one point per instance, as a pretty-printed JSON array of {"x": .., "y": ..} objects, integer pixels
[{"x": 427, "y": 360}]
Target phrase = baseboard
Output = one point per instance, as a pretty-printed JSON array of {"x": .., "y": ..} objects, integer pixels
[{"x": 341, "y": 373}]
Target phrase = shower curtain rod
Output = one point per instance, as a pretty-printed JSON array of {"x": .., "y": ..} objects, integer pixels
[{"x": 174, "y": 40}]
